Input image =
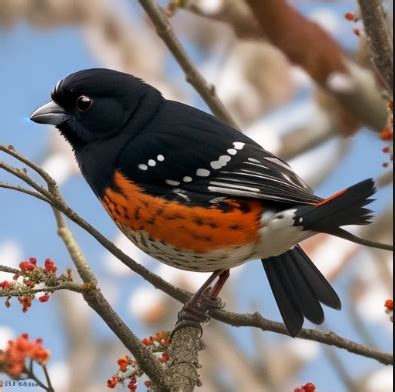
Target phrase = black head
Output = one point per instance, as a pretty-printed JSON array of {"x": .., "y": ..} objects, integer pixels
[{"x": 93, "y": 104}]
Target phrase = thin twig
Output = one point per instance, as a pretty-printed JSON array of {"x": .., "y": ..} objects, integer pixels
[
  {"x": 9, "y": 270},
  {"x": 21, "y": 189},
  {"x": 379, "y": 40},
  {"x": 31, "y": 375},
  {"x": 328, "y": 338},
  {"x": 77, "y": 288},
  {"x": 93, "y": 297},
  {"x": 49, "y": 383},
  {"x": 193, "y": 76}
]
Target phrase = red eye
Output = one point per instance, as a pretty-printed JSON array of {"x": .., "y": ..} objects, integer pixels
[{"x": 83, "y": 103}]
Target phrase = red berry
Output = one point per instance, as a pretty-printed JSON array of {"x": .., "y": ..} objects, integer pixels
[
  {"x": 44, "y": 298},
  {"x": 350, "y": 16},
  {"x": 357, "y": 31},
  {"x": 50, "y": 266},
  {"x": 389, "y": 304}
]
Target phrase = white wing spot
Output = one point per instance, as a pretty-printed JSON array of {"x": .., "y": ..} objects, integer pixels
[
  {"x": 172, "y": 182},
  {"x": 187, "y": 179},
  {"x": 222, "y": 162},
  {"x": 142, "y": 166},
  {"x": 151, "y": 163},
  {"x": 202, "y": 172},
  {"x": 238, "y": 145},
  {"x": 232, "y": 151},
  {"x": 160, "y": 158}
]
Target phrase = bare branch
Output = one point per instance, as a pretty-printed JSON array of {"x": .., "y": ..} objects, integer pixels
[
  {"x": 328, "y": 338},
  {"x": 98, "y": 302},
  {"x": 193, "y": 76},
  {"x": 21, "y": 189},
  {"x": 379, "y": 40},
  {"x": 9, "y": 270}
]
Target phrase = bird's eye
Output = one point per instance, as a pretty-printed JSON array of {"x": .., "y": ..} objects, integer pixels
[{"x": 83, "y": 103}]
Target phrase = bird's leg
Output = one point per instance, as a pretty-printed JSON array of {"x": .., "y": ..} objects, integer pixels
[
  {"x": 196, "y": 310},
  {"x": 223, "y": 277}
]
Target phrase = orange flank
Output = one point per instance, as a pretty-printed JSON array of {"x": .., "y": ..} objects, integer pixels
[
  {"x": 194, "y": 229},
  {"x": 333, "y": 197}
]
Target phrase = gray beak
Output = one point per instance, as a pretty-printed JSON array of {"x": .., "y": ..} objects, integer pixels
[{"x": 50, "y": 113}]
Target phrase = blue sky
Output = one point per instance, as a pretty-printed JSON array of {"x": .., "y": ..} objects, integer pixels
[{"x": 31, "y": 62}]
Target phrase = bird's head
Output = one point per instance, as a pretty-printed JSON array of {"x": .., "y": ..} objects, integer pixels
[{"x": 92, "y": 104}]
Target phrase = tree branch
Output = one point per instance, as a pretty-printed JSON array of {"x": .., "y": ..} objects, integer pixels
[
  {"x": 193, "y": 76},
  {"x": 93, "y": 296},
  {"x": 184, "y": 360},
  {"x": 77, "y": 288},
  {"x": 235, "y": 319},
  {"x": 306, "y": 44},
  {"x": 328, "y": 338},
  {"x": 379, "y": 40}
]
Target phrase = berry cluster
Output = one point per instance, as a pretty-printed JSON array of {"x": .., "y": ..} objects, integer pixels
[
  {"x": 389, "y": 308},
  {"x": 14, "y": 359},
  {"x": 387, "y": 134},
  {"x": 128, "y": 369},
  {"x": 354, "y": 17},
  {"x": 29, "y": 278},
  {"x": 307, "y": 388}
]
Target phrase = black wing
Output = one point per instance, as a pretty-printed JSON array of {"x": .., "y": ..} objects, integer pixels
[{"x": 186, "y": 150}]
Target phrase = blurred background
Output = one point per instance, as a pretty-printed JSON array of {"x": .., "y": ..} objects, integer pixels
[{"x": 326, "y": 123}]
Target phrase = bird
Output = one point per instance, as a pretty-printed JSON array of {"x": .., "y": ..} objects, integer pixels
[{"x": 197, "y": 194}]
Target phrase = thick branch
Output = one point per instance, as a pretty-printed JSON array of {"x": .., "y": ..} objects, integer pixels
[
  {"x": 193, "y": 76},
  {"x": 379, "y": 40},
  {"x": 306, "y": 44},
  {"x": 182, "y": 372}
]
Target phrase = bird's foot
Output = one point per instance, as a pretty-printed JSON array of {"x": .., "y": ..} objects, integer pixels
[{"x": 196, "y": 311}]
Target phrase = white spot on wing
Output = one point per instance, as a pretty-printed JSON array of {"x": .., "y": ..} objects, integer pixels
[
  {"x": 232, "y": 151},
  {"x": 160, "y": 158},
  {"x": 142, "y": 166},
  {"x": 151, "y": 163},
  {"x": 238, "y": 145},
  {"x": 222, "y": 162},
  {"x": 172, "y": 182},
  {"x": 202, "y": 172},
  {"x": 187, "y": 179}
]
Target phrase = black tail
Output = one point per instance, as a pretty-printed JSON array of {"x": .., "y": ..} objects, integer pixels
[
  {"x": 342, "y": 209},
  {"x": 299, "y": 289},
  {"x": 345, "y": 208}
]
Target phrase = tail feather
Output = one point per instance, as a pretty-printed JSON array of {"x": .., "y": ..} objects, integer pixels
[
  {"x": 299, "y": 289},
  {"x": 345, "y": 208},
  {"x": 342, "y": 209}
]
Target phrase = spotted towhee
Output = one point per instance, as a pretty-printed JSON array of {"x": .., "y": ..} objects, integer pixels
[{"x": 197, "y": 194}]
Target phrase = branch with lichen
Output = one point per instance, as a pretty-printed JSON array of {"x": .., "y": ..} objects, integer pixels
[{"x": 380, "y": 40}]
